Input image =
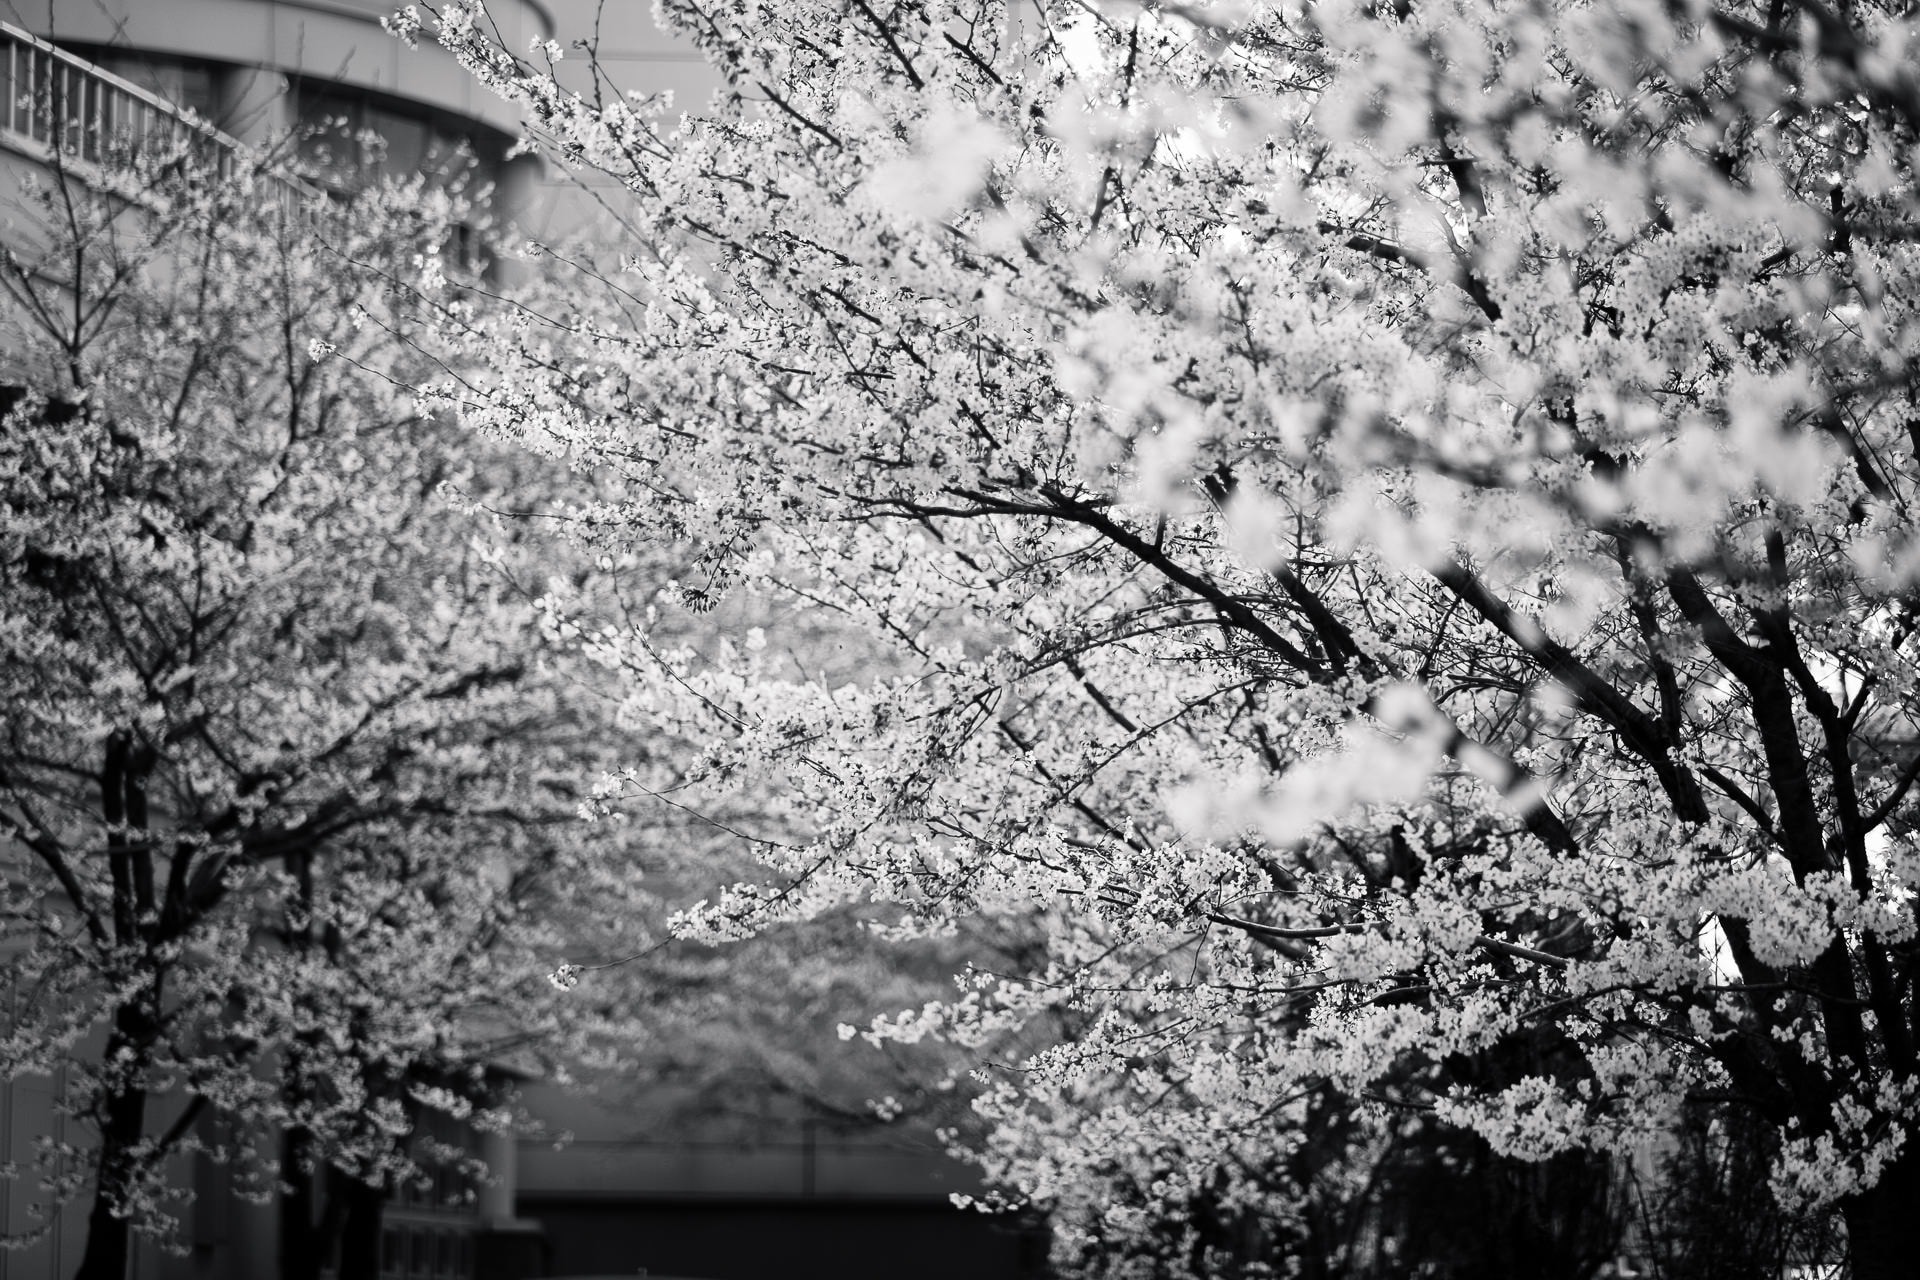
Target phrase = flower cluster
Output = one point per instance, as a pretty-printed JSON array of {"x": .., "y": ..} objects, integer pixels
[{"x": 1362, "y": 550}]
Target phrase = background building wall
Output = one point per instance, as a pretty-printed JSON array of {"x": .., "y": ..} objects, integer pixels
[
  {"x": 642, "y": 1186},
  {"x": 338, "y": 41}
]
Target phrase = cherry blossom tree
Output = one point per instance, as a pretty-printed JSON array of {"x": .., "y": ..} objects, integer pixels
[
  {"x": 1377, "y": 540},
  {"x": 290, "y": 785}
]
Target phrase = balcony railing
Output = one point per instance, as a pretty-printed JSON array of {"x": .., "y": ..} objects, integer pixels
[{"x": 62, "y": 107}]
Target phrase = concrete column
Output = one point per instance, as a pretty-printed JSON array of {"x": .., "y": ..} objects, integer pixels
[
  {"x": 515, "y": 189},
  {"x": 502, "y": 1156},
  {"x": 256, "y": 104}
]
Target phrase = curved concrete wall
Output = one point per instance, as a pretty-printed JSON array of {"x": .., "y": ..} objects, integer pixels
[{"x": 328, "y": 40}]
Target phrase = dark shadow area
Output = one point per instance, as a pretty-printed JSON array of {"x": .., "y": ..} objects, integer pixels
[{"x": 785, "y": 1240}]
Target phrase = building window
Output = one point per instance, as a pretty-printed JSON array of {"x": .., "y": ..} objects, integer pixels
[
  {"x": 189, "y": 86},
  {"x": 187, "y": 83},
  {"x": 350, "y": 139}
]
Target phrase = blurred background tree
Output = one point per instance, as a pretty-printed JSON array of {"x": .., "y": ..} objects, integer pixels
[{"x": 290, "y": 786}]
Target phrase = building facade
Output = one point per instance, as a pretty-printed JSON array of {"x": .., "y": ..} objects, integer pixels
[{"x": 260, "y": 69}]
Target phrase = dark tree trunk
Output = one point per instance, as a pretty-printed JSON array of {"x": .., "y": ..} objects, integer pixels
[
  {"x": 123, "y": 1122},
  {"x": 1883, "y": 1225},
  {"x": 307, "y": 1237},
  {"x": 360, "y": 1227}
]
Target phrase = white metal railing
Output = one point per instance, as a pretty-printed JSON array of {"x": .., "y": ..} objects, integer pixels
[{"x": 66, "y": 107}]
